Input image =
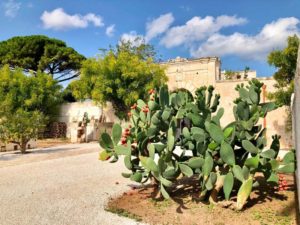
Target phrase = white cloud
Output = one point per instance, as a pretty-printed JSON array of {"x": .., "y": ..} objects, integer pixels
[
  {"x": 110, "y": 30},
  {"x": 158, "y": 26},
  {"x": 11, "y": 8},
  {"x": 58, "y": 19},
  {"x": 197, "y": 29},
  {"x": 133, "y": 37},
  {"x": 272, "y": 36}
]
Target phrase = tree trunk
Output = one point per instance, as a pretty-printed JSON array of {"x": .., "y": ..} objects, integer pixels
[{"x": 23, "y": 146}]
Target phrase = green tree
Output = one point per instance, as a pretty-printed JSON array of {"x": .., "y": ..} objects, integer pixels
[
  {"x": 229, "y": 74},
  {"x": 120, "y": 75},
  {"x": 27, "y": 103},
  {"x": 20, "y": 127},
  {"x": 41, "y": 53},
  {"x": 285, "y": 61},
  {"x": 29, "y": 92}
]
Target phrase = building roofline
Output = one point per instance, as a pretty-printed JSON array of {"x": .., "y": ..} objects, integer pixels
[{"x": 181, "y": 60}]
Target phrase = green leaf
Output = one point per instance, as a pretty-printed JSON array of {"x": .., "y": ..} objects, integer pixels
[
  {"x": 164, "y": 96},
  {"x": 165, "y": 182},
  {"x": 216, "y": 133},
  {"x": 289, "y": 157},
  {"x": 171, "y": 140},
  {"x": 143, "y": 116},
  {"x": 208, "y": 164},
  {"x": 106, "y": 141},
  {"x": 196, "y": 162},
  {"x": 245, "y": 172},
  {"x": 151, "y": 150},
  {"x": 116, "y": 133},
  {"x": 268, "y": 107},
  {"x": 164, "y": 192},
  {"x": 273, "y": 178},
  {"x": 126, "y": 175},
  {"x": 288, "y": 168},
  {"x": 149, "y": 163},
  {"x": 186, "y": 170},
  {"x": 252, "y": 162},
  {"x": 213, "y": 145},
  {"x": 127, "y": 162},
  {"x": 253, "y": 95},
  {"x": 159, "y": 146},
  {"x": 140, "y": 104},
  {"x": 269, "y": 154},
  {"x": 171, "y": 173},
  {"x": 228, "y": 185},
  {"x": 274, "y": 164},
  {"x": 244, "y": 193},
  {"x": 238, "y": 173},
  {"x": 186, "y": 133},
  {"x": 155, "y": 120},
  {"x": 244, "y": 94},
  {"x": 228, "y": 132},
  {"x": 153, "y": 105},
  {"x": 137, "y": 177},
  {"x": 122, "y": 150},
  {"x": 197, "y": 130},
  {"x": 166, "y": 114},
  {"x": 199, "y": 137},
  {"x": 209, "y": 184},
  {"x": 151, "y": 131},
  {"x": 248, "y": 146},
  {"x": 104, "y": 155},
  {"x": 227, "y": 153}
]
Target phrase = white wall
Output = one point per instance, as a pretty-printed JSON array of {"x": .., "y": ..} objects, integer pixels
[{"x": 72, "y": 113}]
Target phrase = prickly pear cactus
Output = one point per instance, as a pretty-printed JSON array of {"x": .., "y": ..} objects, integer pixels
[{"x": 174, "y": 134}]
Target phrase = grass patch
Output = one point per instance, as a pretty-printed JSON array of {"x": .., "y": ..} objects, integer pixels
[
  {"x": 124, "y": 213},
  {"x": 269, "y": 217}
]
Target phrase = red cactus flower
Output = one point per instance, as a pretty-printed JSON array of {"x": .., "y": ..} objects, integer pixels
[
  {"x": 133, "y": 106},
  {"x": 152, "y": 91}
]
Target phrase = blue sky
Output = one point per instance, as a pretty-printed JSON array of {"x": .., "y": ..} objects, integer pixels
[{"x": 240, "y": 32}]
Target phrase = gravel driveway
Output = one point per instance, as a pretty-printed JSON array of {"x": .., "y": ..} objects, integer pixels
[{"x": 60, "y": 185}]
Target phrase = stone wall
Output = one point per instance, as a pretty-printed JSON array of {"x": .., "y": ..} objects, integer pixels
[{"x": 11, "y": 147}]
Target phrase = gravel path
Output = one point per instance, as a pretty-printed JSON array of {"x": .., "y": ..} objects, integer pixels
[{"x": 61, "y": 185}]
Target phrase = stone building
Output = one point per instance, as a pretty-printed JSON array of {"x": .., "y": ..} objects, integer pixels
[{"x": 192, "y": 73}]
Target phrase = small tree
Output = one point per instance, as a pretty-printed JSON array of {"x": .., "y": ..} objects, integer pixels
[
  {"x": 27, "y": 102},
  {"x": 285, "y": 61},
  {"x": 121, "y": 76},
  {"x": 229, "y": 74},
  {"x": 20, "y": 127},
  {"x": 37, "y": 92}
]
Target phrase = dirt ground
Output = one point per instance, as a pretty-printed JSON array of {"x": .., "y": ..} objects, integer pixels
[
  {"x": 265, "y": 207},
  {"x": 52, "y": 142}
]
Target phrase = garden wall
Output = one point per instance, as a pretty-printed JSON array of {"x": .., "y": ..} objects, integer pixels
[{"x": 100, "y": 118}]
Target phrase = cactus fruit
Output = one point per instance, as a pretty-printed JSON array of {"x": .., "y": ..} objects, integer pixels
[{"x": 222, "y": 158}]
